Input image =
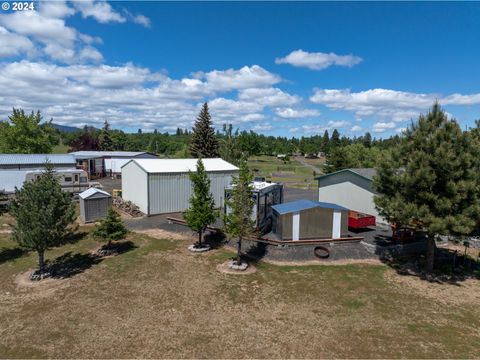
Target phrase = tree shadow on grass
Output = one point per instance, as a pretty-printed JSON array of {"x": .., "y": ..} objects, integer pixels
[
  {"x": 75, "y": 237},
  {"x": 450, "y": 267},
  {"x": 216, "y": 239},
  {"x": 8, "y": 254},
  {"x": 70, "y": 264},
  {"x": 119, "y": 247}
]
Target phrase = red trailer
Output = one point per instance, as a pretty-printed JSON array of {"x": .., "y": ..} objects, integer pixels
[{"x": 358, "y": 220}]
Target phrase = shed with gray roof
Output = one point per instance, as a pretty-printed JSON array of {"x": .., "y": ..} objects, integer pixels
[
  {"x": 350, "y": 188},
  {"x": 94, "y": 204}
]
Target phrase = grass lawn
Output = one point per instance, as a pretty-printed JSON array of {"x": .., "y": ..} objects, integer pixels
[
  {"x": 158, "y": 300},
  {"x": 60, "y": 149},
  {"x": 292, "y": 174}
]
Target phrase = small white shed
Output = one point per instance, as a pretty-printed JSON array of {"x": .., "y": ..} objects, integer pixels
[
  {"x": 94, "y": 204},
  {"x": 161, "y": 186}
]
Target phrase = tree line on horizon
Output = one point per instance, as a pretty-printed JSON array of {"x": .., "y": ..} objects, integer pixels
[{"x": 26, "y": 133}]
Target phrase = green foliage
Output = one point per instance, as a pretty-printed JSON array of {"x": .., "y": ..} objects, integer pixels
[
  {"x": 23, "y": 134},
  {"x": 352, "y": 156},
  {"x": 201, "y": 212},
  {"x": 111, "y": 228},
  {"x": 104, "y": 139},
  {"x": 431, "y": 179},
  {"x": 229, "y": 145},
  {"x": 43, "y": 214},
  {"x": 238, "y": 221},
  {"x": 204, "y": 143}
]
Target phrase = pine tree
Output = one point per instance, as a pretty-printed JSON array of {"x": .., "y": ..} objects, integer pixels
[
  {"x": 204, "y": 143},
  {"x": 43, "y": 214},
  {"x": 335, "y": 139},
  {"x": 430, "y": 180},
  {"x": 325, "y": 142},
  {"x": 202, "y": 206},
  {"x": 229, "y": 145},
  {"x": 104, "y": 139},
  {"x": 238, "y": 222},
  {"x": 110, "y": 229}
]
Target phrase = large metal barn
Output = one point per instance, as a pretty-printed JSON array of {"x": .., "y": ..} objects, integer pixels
[{"x": 161, "y": 186}]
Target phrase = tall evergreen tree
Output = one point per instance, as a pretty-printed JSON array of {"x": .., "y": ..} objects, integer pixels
[
  {"x": 238, "y": 222},
  {"x": 335, "y": 139},
  {"x": 43, "y": 214},
  {"x": 325, "y": 142},
  {"x": 229, "y": 145},
  {"x": 204, "y": 143},
  {"x": 430, "y": 180},
  {"x": 201, "y": 212},
  {"x": 104, "y": 139}
]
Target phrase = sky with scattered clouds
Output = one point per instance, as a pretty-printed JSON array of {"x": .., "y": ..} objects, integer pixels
[{"x": 281, "y": 68}]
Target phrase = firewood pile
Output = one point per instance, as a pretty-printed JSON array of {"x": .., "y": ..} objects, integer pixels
[{"x": 127, "y": 207}]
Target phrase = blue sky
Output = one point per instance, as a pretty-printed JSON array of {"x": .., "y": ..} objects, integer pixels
[{"x": 282, "y": 68}]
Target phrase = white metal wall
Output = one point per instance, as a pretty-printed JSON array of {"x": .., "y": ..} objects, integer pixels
[
  {"x": 170, "y": 192},
  {"x": 350, "y": 196},
  {"x": 135, "y": 186}
]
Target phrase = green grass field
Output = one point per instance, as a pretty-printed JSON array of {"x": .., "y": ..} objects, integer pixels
[
  {"x": 292, "y": 174},
  {"x": 160, "y": 301}
]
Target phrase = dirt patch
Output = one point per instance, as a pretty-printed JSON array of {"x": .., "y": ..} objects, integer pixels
[
  {"x": 163, "y": 234},
  {"x": 320, "y": 262},
  {"x": 22, "y": 280},
  {"x": 223, "y": 268},
  {"x": 460, "y": 293}
]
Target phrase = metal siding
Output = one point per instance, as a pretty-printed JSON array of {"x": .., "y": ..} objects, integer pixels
[
  {"x": 82, "y": 210},
  {"x": 96, "y": 209},
  {"x": 168, "y": 193},
  {"x": 344, "y": 177},
  {"x": 134, "y": 186},
  {"x": 350, "y": 196}
]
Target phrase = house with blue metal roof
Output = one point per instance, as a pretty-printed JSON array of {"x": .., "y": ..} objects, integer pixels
[{"x": 308, "y": 220}]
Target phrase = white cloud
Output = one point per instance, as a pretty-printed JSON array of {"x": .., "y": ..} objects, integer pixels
[
  {"x": 90, "y": 53},
  {"x": 244, "y": 78},
  {"x": 380, "y": 127},
  {"x": 55, "y": 9},
  {"x": 268, "y": 96},
  {"x": 289, "y": 113},
  {"x": 319, "y": 128},
  {"x": 142, "y": 20},
  {"x": 400, "y": 130},
  {"x": 356, "y": 128},
  {"x": 318, "y": 60},
  {"x": 338, "y": 124},
  {"x": 262, "y": 127},
  {"x": 44, "y": 29},
  {"x": 99, "y": 10},
  {"x": 386, "y": 104},
  {"x": 126, "y": 95},
  {"x": 13, "y": 44}
]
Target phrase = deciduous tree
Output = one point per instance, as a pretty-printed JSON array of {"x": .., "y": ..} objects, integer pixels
[{"x": 25, "y": 134}]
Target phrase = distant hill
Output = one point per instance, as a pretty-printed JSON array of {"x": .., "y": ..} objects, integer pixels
[{"x": 65, "y": 128}]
